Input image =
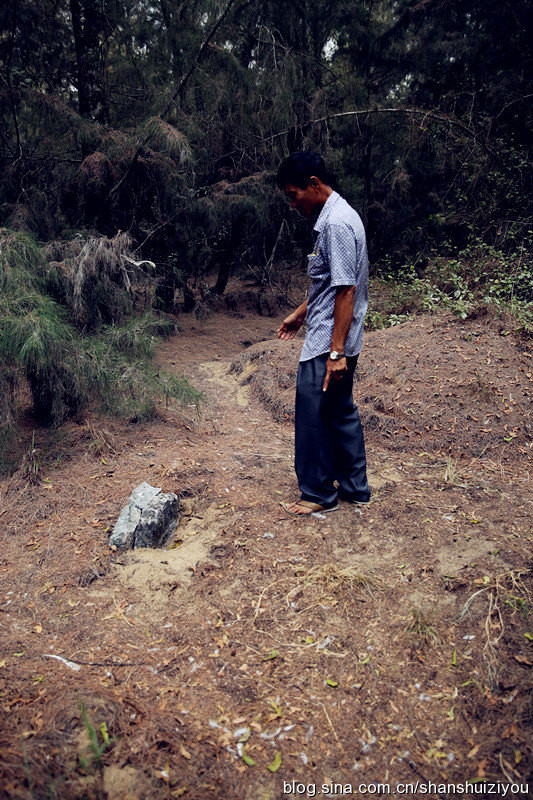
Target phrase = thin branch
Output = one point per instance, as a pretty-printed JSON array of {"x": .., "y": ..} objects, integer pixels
[
  {"x": 432, "y": 115},
  {"x": 301, "y": 54},
  {"x": 183, "y": 82},
  {"x": 417, "y": 111},
  {"x": 512, "y": 102},
  {"x": 157, "y": 228},
  {"x": 181, "y": 85}
]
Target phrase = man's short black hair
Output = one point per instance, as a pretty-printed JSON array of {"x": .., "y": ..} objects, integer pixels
[{"x": 299, "y": 167}]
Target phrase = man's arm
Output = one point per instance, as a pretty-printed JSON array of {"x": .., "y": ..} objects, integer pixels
[
  {"x": 292, "y": 324},
  {"x": 342, "y": 320}
]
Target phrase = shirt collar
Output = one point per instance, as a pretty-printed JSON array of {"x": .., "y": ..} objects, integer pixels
[{"x": 326, "y": 210}]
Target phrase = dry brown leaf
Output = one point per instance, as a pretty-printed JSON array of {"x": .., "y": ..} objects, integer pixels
[
  {"x": 481, "y": 768},
  {"x": 473, "y": 751}
]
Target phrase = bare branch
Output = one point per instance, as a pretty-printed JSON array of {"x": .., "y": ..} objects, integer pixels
[
  {"x": 431, "y": 115},
  {"x": 183, "y": 82}
]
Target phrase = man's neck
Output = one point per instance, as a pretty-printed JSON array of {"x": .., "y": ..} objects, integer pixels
[{"x": 325, "y": 194}]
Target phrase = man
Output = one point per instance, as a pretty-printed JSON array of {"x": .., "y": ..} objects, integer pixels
[{"x": 329, "y": 444}]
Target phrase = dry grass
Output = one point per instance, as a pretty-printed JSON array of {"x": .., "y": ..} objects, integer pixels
[
  {"x": 333, "y": 575},
  {"x": 100, "y": 264},
  {"x": 506, "y": 591},
  {"x": 423, "y": 629},
  {"x": 101, "y": 441}
]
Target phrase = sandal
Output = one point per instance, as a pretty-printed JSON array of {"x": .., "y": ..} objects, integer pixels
[{"x": 313, "y": 508}]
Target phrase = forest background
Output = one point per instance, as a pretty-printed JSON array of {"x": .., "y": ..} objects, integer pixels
[{"x": 139, "y": 141}]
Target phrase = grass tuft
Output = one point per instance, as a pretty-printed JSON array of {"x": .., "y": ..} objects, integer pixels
[
  {"x": 505, "y": 594},
  {"x": 333, "y": 574},
  {"x": 423, "y": 629}
]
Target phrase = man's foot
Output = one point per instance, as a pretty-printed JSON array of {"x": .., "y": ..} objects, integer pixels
[
  {"x": 303, "y": 508},
  {"x": 354, "y": 499}
]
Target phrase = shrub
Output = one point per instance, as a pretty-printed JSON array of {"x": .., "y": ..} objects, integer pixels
[
  {"x": 45, "y": 310},
  {"x": 477, "y": 277}
]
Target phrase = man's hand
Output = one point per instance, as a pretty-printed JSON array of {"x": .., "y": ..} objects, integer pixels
[
  {"x": 290, "y": 327},
  {"x": 335, "y": 370},
  {"x": 292, "y": 324}
]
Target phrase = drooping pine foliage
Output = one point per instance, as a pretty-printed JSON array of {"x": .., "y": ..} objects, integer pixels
[
  {"x": 119, "y": 116},
  {"x": 45, "y": 308},
  {"x": 35, "y": 338}
]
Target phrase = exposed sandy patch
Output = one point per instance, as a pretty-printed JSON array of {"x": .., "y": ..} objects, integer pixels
[
  {"x": 154, "y": 575},
  {"x": 452, "y": 558},
  {"x": 123, "y": 783},
  {"x": 217, "y": 372}
]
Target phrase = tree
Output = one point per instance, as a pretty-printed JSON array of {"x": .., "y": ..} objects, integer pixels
[
  {"x": 88, "y": 31},
  {"x": 124, "y": 115}
]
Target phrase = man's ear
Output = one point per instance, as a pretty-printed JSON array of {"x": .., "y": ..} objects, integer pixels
[{"x": 314, "y": 182}]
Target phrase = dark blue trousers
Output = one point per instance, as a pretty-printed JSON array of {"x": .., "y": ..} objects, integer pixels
[{"x": 329, "y": 443}]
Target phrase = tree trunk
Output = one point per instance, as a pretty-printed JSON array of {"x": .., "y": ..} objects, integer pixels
[
  {"x": 189, "y": 300},
  {"x": 368, "y": 179},
  {"x": 223, "y": 276},
  {"x": 86, "y": 27},
  {"x": 229, "y": 256}
]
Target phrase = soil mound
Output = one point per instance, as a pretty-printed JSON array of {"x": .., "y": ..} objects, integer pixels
[{"x": 439, "y": 385}]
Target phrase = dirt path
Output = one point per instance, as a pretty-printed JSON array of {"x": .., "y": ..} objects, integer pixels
[{"x": 385, "y": 644}]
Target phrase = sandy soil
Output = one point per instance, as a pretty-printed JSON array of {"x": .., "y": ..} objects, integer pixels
[{"x": 383, "y": 644}]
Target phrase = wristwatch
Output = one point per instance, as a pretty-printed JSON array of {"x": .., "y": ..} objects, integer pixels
[{"x": 336, "y": 356}]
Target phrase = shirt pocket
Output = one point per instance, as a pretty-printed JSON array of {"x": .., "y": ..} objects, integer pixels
[{"x": 316, "y": 265}]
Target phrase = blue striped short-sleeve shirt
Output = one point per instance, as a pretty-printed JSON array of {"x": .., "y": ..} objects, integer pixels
[{"x": 339, "y": 258}]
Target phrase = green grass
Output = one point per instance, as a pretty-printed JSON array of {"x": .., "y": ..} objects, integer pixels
[{"x": 126, "y": 384}]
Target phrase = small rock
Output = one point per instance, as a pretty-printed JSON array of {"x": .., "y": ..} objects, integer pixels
[
  {"x": 149, "y": 519},
  {"x": 158, "y": 521}
]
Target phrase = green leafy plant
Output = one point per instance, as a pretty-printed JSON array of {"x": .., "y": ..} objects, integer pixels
[
  {"x": 98, "y": 744},
  {"x": 477, "y": 277}
]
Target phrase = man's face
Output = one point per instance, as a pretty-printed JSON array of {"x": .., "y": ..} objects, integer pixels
[{"x": 305, "y": 201}]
